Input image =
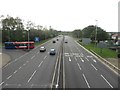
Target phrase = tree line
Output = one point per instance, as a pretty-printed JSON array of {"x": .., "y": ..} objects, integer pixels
[
  {"x": 92, "y": 32},
  {"x": 13, "y": 29}
]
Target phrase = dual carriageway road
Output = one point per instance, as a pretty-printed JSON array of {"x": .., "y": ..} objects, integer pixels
[{"x": 71, "y": 67}]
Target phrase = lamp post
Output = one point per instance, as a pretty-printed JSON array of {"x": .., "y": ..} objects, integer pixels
[{"x": 96, "y": 33}]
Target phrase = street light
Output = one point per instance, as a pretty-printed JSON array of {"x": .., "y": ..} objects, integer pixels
[{"x": 96, "y": 33}]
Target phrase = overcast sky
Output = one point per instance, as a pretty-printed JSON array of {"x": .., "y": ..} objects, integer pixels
[{"x": 64, "y": 15}]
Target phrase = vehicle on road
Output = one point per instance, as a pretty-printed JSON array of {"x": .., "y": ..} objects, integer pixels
[
  {"x": 19, "y": 45},
  {"x": 42, "y": 49},
  {"x": 66, "y": 41},
  {"x": 54, "y": 41},
  {"x": 52, "y": 51},
  {"x": 57, "y": 39}
]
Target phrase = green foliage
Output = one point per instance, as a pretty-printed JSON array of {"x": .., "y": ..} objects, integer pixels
[
  {"x": 106, "y": 53},
  {"x": 13, "y": 30},
  {"x": 90, "y": 32},
  {"x": 77, "y": 33}
]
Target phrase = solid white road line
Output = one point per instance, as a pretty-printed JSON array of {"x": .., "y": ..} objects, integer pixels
[
  {"x": 86, "y": 81},
  {"x": 32, "y": 57},
  {"x": 45, "y": 57},
  {"x": 94, "y": 67},
  {"x": 86, "y": 58},
  {"x": 9, "y": 77},
  {"x": 79, "y": 66},
  {"x": 107, "y": 81},
  {"x": 58, "y": 73},
  {"x": 32, "y": 76},
  {"x": 40, "y": 64},
  {"x": 2, "y": 83}
]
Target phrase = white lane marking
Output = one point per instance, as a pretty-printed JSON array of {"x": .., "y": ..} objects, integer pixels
[
  {"x": 32, "y": 57},
  {"x": 2, "y": 83},
  {"x": 40, "y": 64},
  {"x": 79, "y": 66},
  {"x": 0, "y": 53},
  {"x": 15, "y": 71},
  {"x": 86, "y": 58},
  {"x": 89, "y": 56},
  {"x": 31, "y": 76},
  {"x": 37, "y": 52},
  {"x": 45, "y": 57},
  {"x": 86, "y": 81},
  {"x": 75, "y": 58},
  {"x": 94, "y": 60},
  {"x": 107, "y": 81},
  {"x": 16, "y": 59},
  {"x": 82, "y": 55},
  {"x": 9, "y": 77},
  {"x": 58, "y": 77},
  {"x": 20, "y": 67},
  {"x": 27, "y": 61},
  {"x": 24, "y": 64},
  {"x": 56, "y": 85},
  {"x": 69, "y": 59},
  {"x": 82, "y": 60},
  {"x": 94, "y": 67}
]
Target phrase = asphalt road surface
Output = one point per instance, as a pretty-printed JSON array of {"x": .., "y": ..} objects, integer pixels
[{"x": 40, "y": 70}]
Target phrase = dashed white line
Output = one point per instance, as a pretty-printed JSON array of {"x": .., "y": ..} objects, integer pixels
[
  {"x": 27, "y": 61},
  {"x": 40, "y": 64},
  {"x": 87, "y": 59},
  {"x": 107, "y": 81},
  {"x": 75, "y": 58},
  {"x": 94, "y": 67},
  {"x": 86, "y": 81},
  {"x": 37, "y": 52},
  {"x": 82, "y": 60},
  {"x": 31, "y": 76},
  {"x": 69, "y": 59},
  {"x": 24, "y": 64},
  {"x": 94, "y": 60},
  {"x": 9, "y": 77},
  {"x": 15, "y": 71},
  {"x": 79, "y": 66},
  {"x": 32, "y": 57},
  {"x": 45, "y": 57},
  {"x": 20, "y": 67}
]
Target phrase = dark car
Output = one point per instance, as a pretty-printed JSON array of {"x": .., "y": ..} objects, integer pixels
[
  {"x": 66, "y": 41},
  {"x": 52, "y": 51},
  {"x": 57, "y": 39},
  {"x": 54, "y": 41},
  {"x": 42, "y": 49}
]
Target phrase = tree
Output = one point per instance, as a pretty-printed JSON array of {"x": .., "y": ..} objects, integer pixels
[
  {"x": 77, "y": 33},
  {"x": 87, "y": 31},
  {"x": 10, "y": 27},
  {"x": 101, "y": 35}
]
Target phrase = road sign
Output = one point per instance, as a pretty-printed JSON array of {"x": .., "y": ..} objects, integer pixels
[{"x": 37, "y": 39}]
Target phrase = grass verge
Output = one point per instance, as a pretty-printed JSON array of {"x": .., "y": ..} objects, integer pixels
[{"x": 104, "y": 52}]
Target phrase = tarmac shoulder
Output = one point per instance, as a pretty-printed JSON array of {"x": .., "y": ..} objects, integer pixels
[{"x": 4, "y": 59}]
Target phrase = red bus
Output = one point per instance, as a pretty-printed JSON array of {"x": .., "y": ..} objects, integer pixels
[{"x": 19, "y": 45}]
